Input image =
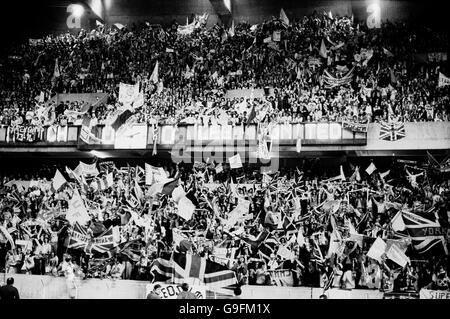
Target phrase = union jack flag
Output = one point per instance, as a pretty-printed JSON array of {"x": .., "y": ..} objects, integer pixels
[
  {"x": 162, "y": 270},
  {"x": 425, "y": 233},
  {"x": 268, "y": 247},
  {"x": 392, "y": 131},
  {"x": 78, "y": 237},
  {"x": 193, "y": 266},
  {"x": 316, "y": 254}
]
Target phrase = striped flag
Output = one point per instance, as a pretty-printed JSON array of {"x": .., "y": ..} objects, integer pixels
[
  {"x": 104, "y": 182},
  {"x": 102, "y": 244},
  {"x": 255, "y": 242},
  {"x": 162, "y": 270},
  {"x": 78, "y": 237},
  {"x": 193, "y": 266},
  {"x": 426, "y": 233},
  {"x": 289, "y": 226},
  {"x": 392, "y": 131},
  {"x": 329, "y": 281},
  {"x": 316, "y": 254},
  {"x": 268, "y": 247}
]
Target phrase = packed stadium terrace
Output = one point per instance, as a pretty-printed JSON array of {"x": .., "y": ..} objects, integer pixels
[
  {"x": 323, "y": 230},
  {"x": 348, "y": 226},
  {"x": 318, "y": 68}
]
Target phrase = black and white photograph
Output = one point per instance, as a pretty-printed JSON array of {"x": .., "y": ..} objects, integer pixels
[{"x": 235, "y": 150}]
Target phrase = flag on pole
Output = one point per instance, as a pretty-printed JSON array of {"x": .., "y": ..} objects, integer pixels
[
  {"x": 283, "y": 17},
  {"x": 397, "y": 222},
  {"x": 392, "y": 131},
  {"x": 425, "y": 233},
  {"x": 323, "y": 50},
  {"x": 443, "y": 80},
  {"x": 387, "y": 52},
  {"x": 395, "y": 254},
  {"x": 377, "y": 250},
  {"x": 77, "y": 212},
  {"x": 185, "y": 208},
  {"x": 235, "y": 161},
  {"x": 58, "y": 180},
  {"x": 251, "y": 115},
  {"x": 193, "y": 266},
  {"x": 342, "y": 175},
  {"x": 219, "y": 168},
  {"x": 155, "y": 74},
  {"x": 56, "y": 72},
  {"x": 119, "y": 26},
  {"x": 371, "y": 168},
  {"x": 231, "y": 30}
]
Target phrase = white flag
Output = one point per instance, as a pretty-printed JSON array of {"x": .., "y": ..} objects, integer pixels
[
  {"x": 77, "y": 211},
  {"x": 395, "y": 254},
  {"x": 219, "y": 168},
  {"x": 109, "y": 180},
  {"x": 154, "y": 174},
  {"x": 383, "y": 175},
  {"x": 185, "y": 208},
  {"x": 283, "y": 17},
  {"x": 155, "y": 74},
  {"x": 235, "y": 161},
  {"x": 342, "y": 175},
  {"x": 300, "y": 238},
  {"x": 443, "y": 80},
  {"x": 371, "y": 168},
  {"x": 178, "y": 193},
  {"x": 58, "y": 180},
  {"x": 323, "y": 50},
  {"x": 231, "y": 30},
  {"x": 285, "y": 253},
  {"x": 119, "y": 26},
  {"x": 377, "y": 250},
  {"x": 397, "y": 222}
]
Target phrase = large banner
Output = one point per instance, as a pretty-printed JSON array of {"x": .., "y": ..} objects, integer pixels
[
  {"x": 434, "y": 294},
  {"x": 26, "y": 133},
  {"x": 172, "y": 291},
  {"x": 355, "y": 127},
  {"x": 132, "y": 137}
]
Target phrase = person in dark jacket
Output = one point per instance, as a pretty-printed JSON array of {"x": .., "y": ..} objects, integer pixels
[
  {"x": 185, "y": 293},
  {"x": 155, "y": 293},
  {"x": 8, "y": 291}
]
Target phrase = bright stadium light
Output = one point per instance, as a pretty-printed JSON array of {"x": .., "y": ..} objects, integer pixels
[{"x": 78, "y": 10}]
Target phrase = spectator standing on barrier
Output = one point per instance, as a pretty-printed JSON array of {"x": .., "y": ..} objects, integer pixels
[
  {"x": 185, "y": 293},
  {"x": 8, "y": 291}
]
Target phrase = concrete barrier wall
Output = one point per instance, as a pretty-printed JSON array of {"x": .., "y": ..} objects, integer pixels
[{"x": 49, "y": 287}]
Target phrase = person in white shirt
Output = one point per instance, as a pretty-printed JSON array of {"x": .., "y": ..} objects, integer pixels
[
  {"x": 272, "y": 264},
  {"x": 117, "y": 270},
  {"x": 347, "y": 280}
]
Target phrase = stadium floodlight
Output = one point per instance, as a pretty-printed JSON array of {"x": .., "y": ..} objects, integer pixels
[{"x": 78, "y": 10}]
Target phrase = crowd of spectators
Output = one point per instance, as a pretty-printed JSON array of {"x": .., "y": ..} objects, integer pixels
[
  {"x": 360, "y": 207},
  {"x": 197, "y": 71}
]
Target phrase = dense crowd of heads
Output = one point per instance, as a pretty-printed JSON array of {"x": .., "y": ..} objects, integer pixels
[
  {"x": 360, "y": 207},
  {"x": 386, "y": 80}
]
